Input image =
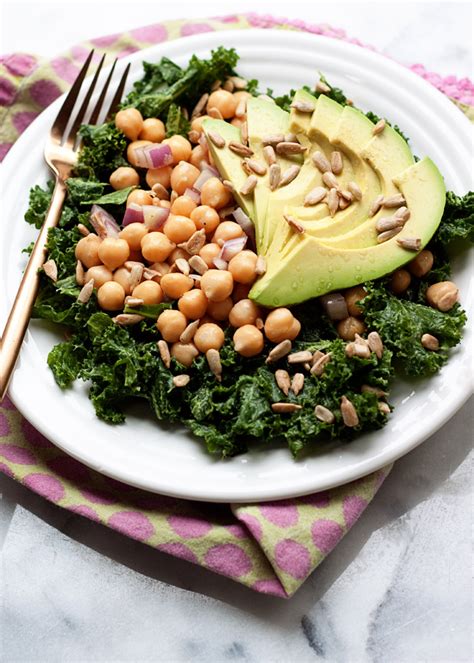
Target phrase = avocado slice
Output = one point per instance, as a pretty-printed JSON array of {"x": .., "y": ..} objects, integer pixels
[
  {"x": 300, "y": 122},
  {"x": 314, "y": 267}
]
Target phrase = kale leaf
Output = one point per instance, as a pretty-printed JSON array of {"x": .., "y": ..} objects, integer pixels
[
  {"x": 176, "y": 122},
  {"x": 458, "y": 219},
  {"x": 103, "y": 151}
]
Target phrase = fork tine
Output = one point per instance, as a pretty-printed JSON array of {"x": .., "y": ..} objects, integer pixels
[
  {"x": 119, "y": 92},
  {"x": 100, "y": 102},
  {"x": 64, "y": 114},
  {"x": 83, "y": 109}
]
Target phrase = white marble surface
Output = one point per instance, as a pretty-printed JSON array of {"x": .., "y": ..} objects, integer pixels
[{"x": 397, "y": 589}]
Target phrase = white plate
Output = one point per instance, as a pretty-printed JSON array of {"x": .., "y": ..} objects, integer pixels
[{"x": 168, "y": 460}]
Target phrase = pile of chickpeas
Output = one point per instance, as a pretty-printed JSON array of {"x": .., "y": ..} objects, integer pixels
[{"x": 216, "y": 297}]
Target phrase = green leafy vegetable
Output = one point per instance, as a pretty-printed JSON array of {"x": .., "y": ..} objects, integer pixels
[
  {"x": 176, "y": 122},
  {"x": 103, "y": 151},
  {"x": 458, "y": 219},
  {"x": 118, "y": 197}
]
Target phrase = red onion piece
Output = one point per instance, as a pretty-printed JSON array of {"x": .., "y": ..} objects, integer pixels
[
  {"x": 214, "y": 171},
  {"x": 219, "y": 263},
  {"x": 232, "y": 247},
  {"x": 193, "y": 194},
  {"x": 204, "y": 144},
  {"x": 133, "y": 214},
  {"x": 335, "y": 306},
  {"x": 142, "y": 158},
  {"x": 245, "y": 223},
  {"x": 160, "y": 155},
  {"x": 205, "y": 175},
  {"x": 103, "y": 223},
  {"x": 154, "y": 216}
]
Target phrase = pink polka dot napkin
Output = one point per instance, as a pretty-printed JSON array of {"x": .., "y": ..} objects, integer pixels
[{"x": 272, "y": 548}]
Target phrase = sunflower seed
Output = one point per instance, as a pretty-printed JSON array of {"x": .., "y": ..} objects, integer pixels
[
  {"x": 307, "y": 366},
  {"x": 430, "y": 342},
  {"x": 80, "y": 275},
  {"x": 321, "y": 162},
  {"x": 349, "y": 413},
  {"x": 260, "y": 266},
  {"x": 287, "y": 149},
  {"x": 130, "y": 264},
  {"x": 197, "y": 279},
  {"x": 360, "y": 350},
  {"x": 249, "y": 185},
  {"x": 228, "y": 185},
  {"x": 322, "y": 87},
  {"x": 188, "y": 334},
  {"x": 376, "y": 205},
  {"x": 226, "y": 211},
  {"x": 297, "y": 383},
  {"x": 295, "y": 225},
  {"x": 241, "y": 108},
  {"x": 343, "y": 203},
  {"x": 315, "y": 196},
  {"x": 216, "y": 85},
  {"x": 289, "y": 175},
  {"x": 394, "y": 201},
  {"x": 160, "y": 191},
  {"x": 330, "y": 180},
  {"x": 379, "y": 127},
  {"x": 285, "y": 408},
  {"x": 181, "y": 380},
  {"x": 214, "y": 360},
  {"x": 354, "y": 188},
  {"x": 388, "y": 234},
  {"x": 259, "y": 324},
  {"x": 164, "y": 351},
  {"x": 194, "y": 136},
  {"x": 195, "y": 242},
  {"x": 368, "y": 389},
  {"x": 336, "y": 163},
  {"x": 228, "y": 85},
  {"x": 333, "y": 201},
  {"x": 410, "y": 243},
  {"x": 300, "y": 357},
  {"x": 316, "y": 355},
  {"x": 375, "y": 344},
  {"x": 256, "y": 166},
  {"x": 273, "y": 139},
  {"x": 215, "y": 113},
  {"x": 402, "y": 213},
  {"x": 283, "y": 380},
  {"x": 136, "y": 274},
  {"x": 216, "y": 138},
  {"x": 240, "y": 149},
  {"x": 86, "y": 292},
  {"x": 183, "y": 266},
  {"x": 133, "y": 301},
  {"x": 51, "y": 270},
  {"x": 244, "y": 133},
  {"x": 127, "y": 319},
  {"x": 198, "y": 264},
  {"x": 387, "y": 223},
  {"x": 303, "y": 106},
  {"x": 291, "y": 138},
  {"x": 274, "y": 176},
  {"x": 323, "y": 414},
  {"x": 384, "y": 408},
  {"x": 149, "y": 274},
  {"x": 239, "y": 83},
  {"x": 346, "y": 194},
  {"x": 83, "y": 230},
  {"x": 279, "y": 351},
  {"x": 319, "y": 365},
  {"x": 200, "y": 106}
]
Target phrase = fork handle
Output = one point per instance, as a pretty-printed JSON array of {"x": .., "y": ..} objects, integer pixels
[{"x": 20, "y": 313}]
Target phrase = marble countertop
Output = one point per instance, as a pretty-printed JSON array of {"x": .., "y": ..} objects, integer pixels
[{"x": 397, "y": 588}]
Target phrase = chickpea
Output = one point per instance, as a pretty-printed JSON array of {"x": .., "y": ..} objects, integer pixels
[
  {"x": 123, "y": 177},
  {"x": 183, "y": 206},
  {"x": 224, "y": 101},
  {"x": 122, "y": 276},
  {"x": 209, "y": 252},
  {"x": 166, "y": 204},
  {"x": 248, "y": 341},
  {"x": 183, "y": 177},
  {"x": 171, "y": 324},
  {"x": 217, "y": 284},
  {"x": 156, "y": 247},
  {"x": 214, "y": 193},
  {"x": 238, "y": 121},
  {"x": 139, "y": 197},
  {"x": 205, "y": 217},
  {"x": 295, "y": 330},
  {"x": 100, "y": 274},
  {"x": 349, "y": 327},
  {"x": 442, "y": 295},
  {"x": 149, "y": 291},
  {"x": 131, "y": 156},
  {"x": 227, "y": 230},
  {"x": 178, "y": 228},
  {"x": 244, "y": 312},
  {"x": 87, "y": 250},
  {"x": 193, "y": 304},
  {"x": 209, "y": 336},
  {"x": 180, "y": 148},
  {"x": 111, "y": 296},
  {"x": 352, "y": 296},
  {"x": 113, "y": 252},
  {"x": 421, "y": 265},
  {"x": 153, "y": 129},
  {"x": 278, "y": 324},
  {"x": 176, "y": 284},
  {"x": 159, "y": 176},
  {"x": 242, "y": 267},
  {"x": 185, "y": 353},
  {"x": 130, "y": 122},
  {"x": 220, "y": 310},
  {"x": 196, "y": 124},
  {"x": 133, "y": 235},
  {"x": 199, "y": 157},
  {"x": 399, "y": 281},
  {"x": 240, "y": 291}
]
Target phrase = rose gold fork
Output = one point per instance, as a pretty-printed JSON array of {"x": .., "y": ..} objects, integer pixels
[{"x": 61, "y": 155}]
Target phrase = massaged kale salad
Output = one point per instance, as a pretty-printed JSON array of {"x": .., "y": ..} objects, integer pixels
[{"x": 255, "y": 267}]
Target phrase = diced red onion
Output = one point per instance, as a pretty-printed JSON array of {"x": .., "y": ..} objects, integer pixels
[
  {"x": 103, "y": 223},
  {"x": 335, "y": 306},
  {"x": 203, "y": 143},
  {"x": 232, "y": 247},
  {"x": 194, "y": 194},
  {"x": 205, "y": 175},
  {"x": 154, "y": 217},
  {"x": 245, "y": 223},
  {"x": 133, "y": 214},
  {"x": 219, "y": 263},
  {"x": 155, "y": 155},
  {"x": 214, "y": 171}
]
